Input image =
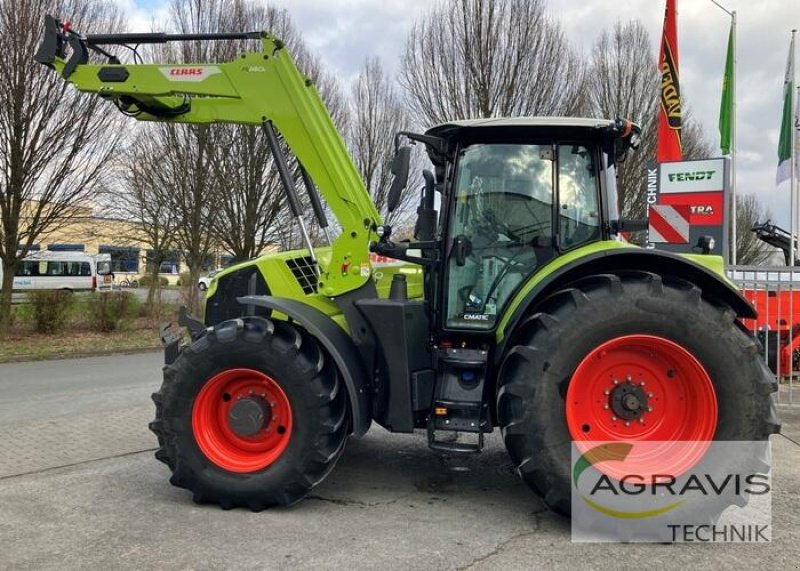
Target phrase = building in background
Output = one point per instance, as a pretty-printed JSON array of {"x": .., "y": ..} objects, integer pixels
[{"x": 124, "y": 241}]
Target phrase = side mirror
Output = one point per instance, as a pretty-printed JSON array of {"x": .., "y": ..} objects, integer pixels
[
  {"x": 426, "y": 215},
  {"x": 629, "y": 137},
  {"x": 400, "y": 167}
]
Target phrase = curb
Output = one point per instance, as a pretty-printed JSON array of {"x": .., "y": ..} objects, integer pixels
[{"x": 81, "y": 355}]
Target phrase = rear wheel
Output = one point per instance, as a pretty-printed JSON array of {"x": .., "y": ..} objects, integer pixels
[
  {"x": 629, "y": 358},
  {"x": 252, "y": 414}
]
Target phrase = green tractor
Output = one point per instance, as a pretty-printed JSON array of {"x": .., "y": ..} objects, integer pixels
[{"x": 518, "y": 306}]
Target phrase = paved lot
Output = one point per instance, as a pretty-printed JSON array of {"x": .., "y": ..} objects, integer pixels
[{"x": 79, "y": 488}]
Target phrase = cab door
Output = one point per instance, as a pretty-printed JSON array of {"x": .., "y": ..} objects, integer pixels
[{"x": 517, "y": 206}]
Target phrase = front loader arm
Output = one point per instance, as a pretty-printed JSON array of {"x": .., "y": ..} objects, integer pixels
[{"x": 254, "y": 89}]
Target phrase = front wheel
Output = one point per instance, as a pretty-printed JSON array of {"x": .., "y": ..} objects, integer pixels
[
  {"x": 629, "y": 358},
  {"x": 252, "y": 414}
]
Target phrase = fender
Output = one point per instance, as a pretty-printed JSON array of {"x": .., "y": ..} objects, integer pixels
[
  {"x": 616, "y": 260},
  {"x": 338, "y": 344}
]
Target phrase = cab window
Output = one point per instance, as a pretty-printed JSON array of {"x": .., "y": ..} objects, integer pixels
[{"x": 578, "y": 209}]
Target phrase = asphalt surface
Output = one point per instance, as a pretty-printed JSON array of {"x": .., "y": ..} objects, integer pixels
[{"x": 79, "y": 488}]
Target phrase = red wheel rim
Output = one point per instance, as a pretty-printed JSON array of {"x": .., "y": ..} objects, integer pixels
[
  {"x": 647, "y": 389},
  {"x": 216, "y": 438}
]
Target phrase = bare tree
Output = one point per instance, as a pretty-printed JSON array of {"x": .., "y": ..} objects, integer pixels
[
  {"x": 486, "y": 58},
  {"x": 750, "y": 250},
  {"x": 376, "y": 115},
  {"x": 147, "y": 203},
  {"x": 623, "y": 81},
  {"x": 239, "y": 171},
  {"x": 54, "y": 142}
]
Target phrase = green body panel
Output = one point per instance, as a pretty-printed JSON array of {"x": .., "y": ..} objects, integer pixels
[
  {"x": 714, "y": 263},
  {"x": 282, "y": 282},
  {"x": 256, "y": 88},
  {"x": 383, "y": 273},
  {"x": 548, "y": 269}
]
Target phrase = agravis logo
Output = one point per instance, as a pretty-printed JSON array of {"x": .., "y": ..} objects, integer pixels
[
  {"x": 685, "y": 491},
  {"x": 612, "y": 452}
]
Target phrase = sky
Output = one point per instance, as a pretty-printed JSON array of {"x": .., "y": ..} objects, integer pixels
[{"x": 344, "y": 32}]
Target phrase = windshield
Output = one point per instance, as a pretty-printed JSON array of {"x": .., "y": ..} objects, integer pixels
[{"x": 503, "y": 218}]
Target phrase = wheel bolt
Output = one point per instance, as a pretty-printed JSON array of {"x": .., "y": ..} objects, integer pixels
[
  {"x": 641, "y": 421},
  {"x": 605, "y": 406},
  {"x": 614, "y": 418},
  {"x": 616, "y": 382},
  {"x": 628, "y": 378},
  {"x": 641, "y": 383},
  {"x": 649, "y": 409},
  {"x": 606, "y": 393},
  {"x": 627, "y": 423},
  {"x": 650, "y": 395}
]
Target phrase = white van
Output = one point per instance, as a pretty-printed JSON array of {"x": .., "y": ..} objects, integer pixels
[{"x": 71, "y": 271}]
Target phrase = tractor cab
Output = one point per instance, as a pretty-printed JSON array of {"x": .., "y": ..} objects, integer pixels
[{"x": 515, "y": 194}]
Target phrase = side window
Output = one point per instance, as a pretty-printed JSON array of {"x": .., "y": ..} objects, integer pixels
[
  {"x": 86, "y": 269},
  {"x": 28, "y": 269},
  {"x": 578, "y": 209},
  {"x": 56, "y": 269}
]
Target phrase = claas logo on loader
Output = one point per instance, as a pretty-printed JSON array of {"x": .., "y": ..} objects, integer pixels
[{"x": 183, "y": 71}]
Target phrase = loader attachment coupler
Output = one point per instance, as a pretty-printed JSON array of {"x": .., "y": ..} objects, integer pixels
[{"x": 58, "y": 34}]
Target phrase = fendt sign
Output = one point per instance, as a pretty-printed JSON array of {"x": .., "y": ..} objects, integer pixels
[{"x": 686, "y": 200}]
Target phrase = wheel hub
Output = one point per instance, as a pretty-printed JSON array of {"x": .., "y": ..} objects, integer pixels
[
  {"x": 628, "y": 401},
  {"x": 248, "y": 416}
]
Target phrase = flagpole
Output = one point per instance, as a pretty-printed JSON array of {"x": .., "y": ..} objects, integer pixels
[
  {"x": 792, "y": 157},
  {"x": 733, "y": 143},
  {"x": 732, "y": 197}
]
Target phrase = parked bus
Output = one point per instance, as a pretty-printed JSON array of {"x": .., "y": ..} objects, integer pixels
[{"x": 71, "y": 271}]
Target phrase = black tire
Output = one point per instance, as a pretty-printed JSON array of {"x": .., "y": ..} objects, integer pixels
[
  {"x": 308, "y": 378},
  {"x": 549, "y": 345}
]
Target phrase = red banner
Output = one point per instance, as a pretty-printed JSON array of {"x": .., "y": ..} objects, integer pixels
[{"x": 669, "y": 115}]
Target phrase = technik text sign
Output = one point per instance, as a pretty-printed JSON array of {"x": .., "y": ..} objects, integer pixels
[
  {"x": 686, "y": 200},
  {"x": 671, "y": 492}
]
